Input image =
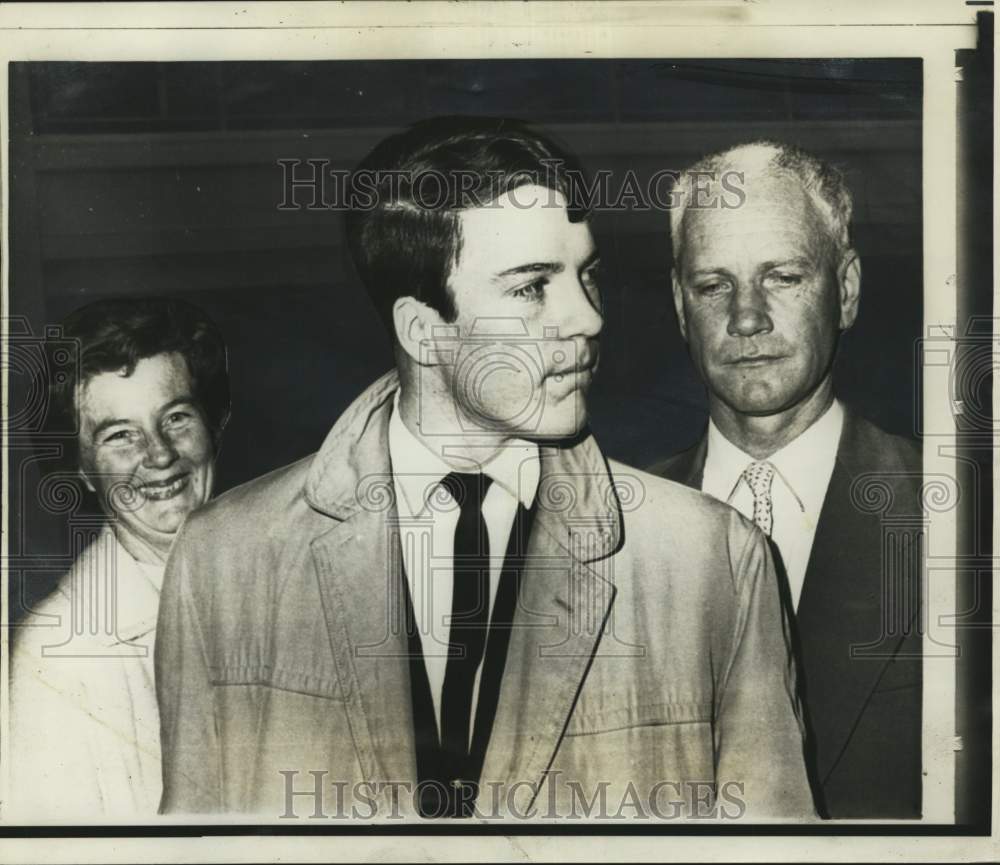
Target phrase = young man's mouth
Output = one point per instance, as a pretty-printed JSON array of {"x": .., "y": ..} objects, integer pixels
[{"x": 582, "y": 374}]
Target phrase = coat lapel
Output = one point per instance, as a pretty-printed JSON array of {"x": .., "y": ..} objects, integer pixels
[
  {"x": 562, "y": 607},
  {"x": 358, "y": 565},
  {"x": 359, "y": 569},
  {"x": 562, "y": 610},
  {"x": 843, "y": 639}
]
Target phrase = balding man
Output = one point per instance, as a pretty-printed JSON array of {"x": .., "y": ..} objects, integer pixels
[{"x": 762, "y": 293}]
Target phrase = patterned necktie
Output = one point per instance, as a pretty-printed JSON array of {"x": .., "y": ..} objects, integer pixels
[{"x": 759, "y": 477}]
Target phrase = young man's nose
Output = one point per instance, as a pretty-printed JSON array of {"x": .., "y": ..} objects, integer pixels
[
  {"x": 748, "y": 313},
  {"x": 583, "y": 316}
]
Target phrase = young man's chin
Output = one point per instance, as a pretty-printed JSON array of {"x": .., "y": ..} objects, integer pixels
[{"x": 562, "y": 425}]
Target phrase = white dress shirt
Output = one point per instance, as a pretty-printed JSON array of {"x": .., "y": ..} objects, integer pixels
[
  {"x": 428, "y": 517},
  {"x": 802, "y": 474}
]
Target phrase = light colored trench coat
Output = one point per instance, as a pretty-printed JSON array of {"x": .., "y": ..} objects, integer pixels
[{"x": 649, "y": 656}]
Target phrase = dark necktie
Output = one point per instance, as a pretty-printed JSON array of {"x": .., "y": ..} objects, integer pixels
[
  {"x": 469, "y": 617},
  {"x": 448, "y": 768}
]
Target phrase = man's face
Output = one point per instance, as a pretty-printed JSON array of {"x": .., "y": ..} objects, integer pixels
[
  {"x": 528, "y": 316},
  {"x": 145, "y": 448},
  {"x": 761, "y": 300}
]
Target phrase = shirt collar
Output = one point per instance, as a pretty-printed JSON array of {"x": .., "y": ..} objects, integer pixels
[
  {"x": 417, "y": 470},
  {"x": 794, "y": 463}
]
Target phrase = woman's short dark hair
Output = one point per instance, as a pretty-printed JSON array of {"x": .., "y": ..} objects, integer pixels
[
  {"x": 403, "y": 229},
  {"x": 117, "y": 333}
]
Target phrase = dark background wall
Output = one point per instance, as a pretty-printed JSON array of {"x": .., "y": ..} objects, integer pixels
[{"x": 163, "y": 178}]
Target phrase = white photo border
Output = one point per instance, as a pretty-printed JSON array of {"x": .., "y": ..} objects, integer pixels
[{"x": 679, "y": 30}]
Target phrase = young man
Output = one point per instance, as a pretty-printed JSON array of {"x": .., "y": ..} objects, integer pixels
[
  {"x": 457, "y": 607},
  {"x": 762, "y": 293},
  {"x": 149, "y": 406}
]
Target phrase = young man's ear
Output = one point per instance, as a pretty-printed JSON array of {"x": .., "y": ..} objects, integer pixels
[
  {"x": 849, "y": 286},
  {"x": 415, "y": 323},
  {"x": 679, "y": 302}
]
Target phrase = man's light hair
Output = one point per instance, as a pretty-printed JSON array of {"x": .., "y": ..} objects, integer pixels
[{"x": 822, "y": 182}]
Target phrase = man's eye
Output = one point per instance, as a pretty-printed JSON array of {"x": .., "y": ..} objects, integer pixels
[
  {"x": 592, "y": 276},
  {"x": 785, "y": 279},
  {"x": 176, "y": 418},
  {"x": 711, "y": 288},
  {"x": 591, "y": 281},
  {"x": 533, "y": 290}
]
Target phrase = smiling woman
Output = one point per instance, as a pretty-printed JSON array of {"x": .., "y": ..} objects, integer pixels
[
  {"x": 149, "y": 401},
  {"x": 145, "y": 445}
]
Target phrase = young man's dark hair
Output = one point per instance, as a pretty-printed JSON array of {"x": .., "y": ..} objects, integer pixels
[
  {"x": 117, "y": 333},
  {"x": 403, "y": 229}
]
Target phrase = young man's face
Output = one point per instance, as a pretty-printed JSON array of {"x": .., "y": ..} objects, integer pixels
[
  {"x": 145, "y": 447},
  {"x": 761, "y": 299},
  {"x": 528, "y": 317}
]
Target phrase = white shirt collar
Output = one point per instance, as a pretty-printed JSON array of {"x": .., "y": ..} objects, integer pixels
[
  {"x": 794, "y": 463},
  {"x": 417, "y": 470}
]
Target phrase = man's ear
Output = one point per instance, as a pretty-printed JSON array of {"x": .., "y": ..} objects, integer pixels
[
  {"x": 849, "y": 284},
  {"x": 86, "y": 481},
  {"x": 414, "y": 323},
  {"x": 679, "y": 302}
]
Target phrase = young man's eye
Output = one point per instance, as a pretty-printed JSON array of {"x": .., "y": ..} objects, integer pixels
[{"x": 533, "y": 290}]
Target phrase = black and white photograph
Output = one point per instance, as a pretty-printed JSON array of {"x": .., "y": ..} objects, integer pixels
[{"x": 427, "y": 424}]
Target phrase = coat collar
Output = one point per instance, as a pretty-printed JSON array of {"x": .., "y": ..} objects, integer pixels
[
  {"x": 128, "y": 587},
  {"x": 576, "y": 498}
]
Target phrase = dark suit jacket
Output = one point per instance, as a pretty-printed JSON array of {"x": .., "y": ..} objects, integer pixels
[{"x": 857, "y": 626}]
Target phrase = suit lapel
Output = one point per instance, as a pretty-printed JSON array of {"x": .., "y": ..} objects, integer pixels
[
  {"x": 687, "y": 467},
  {"x": 839, "y": 619},
  {"x": 841, "y": 606}
]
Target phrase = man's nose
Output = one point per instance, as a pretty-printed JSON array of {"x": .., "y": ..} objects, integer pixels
[
  {"x": 583, "y": 316},
  {"x": 748, "y": 313},
  {"x": 160, "y": 451}
]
